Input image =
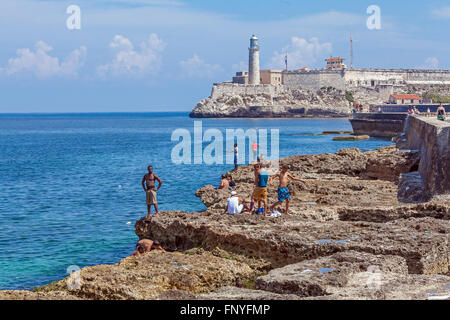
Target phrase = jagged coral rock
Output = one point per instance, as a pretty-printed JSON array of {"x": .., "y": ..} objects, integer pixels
[{"x": 150, "y": 275}]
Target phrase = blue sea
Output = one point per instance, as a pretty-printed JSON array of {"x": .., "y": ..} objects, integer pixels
[{"x": 71, "y": 192}]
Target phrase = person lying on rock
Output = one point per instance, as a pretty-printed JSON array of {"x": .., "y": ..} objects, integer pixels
[
  {"x": 283, "y": 190},
  {"x": 236, "y": 205},
  {"x": 146, "y": 245}
]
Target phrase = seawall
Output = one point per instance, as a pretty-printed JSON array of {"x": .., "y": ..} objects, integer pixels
[
  {"x": 404, "y": 107},
  {"x": 378, "y": 125},
  {"x": 432, "y": 138}
]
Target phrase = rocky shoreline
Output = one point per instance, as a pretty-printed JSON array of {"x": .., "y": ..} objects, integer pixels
[
  {"x": 299, "y": 103},
  {"x": 228, "y": 100},
  {"x": 349, "y": 237}
]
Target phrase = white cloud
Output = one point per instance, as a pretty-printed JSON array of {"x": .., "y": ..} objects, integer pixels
[
  {"x": 42, "y": 65},
  {"x": 430, "y": 63},
  {"x": 197, "y": 68},
  {"x": 301, "y": 53},
  {"x": 148, "y": 2},
  {"x": 129, "y": 61},
  {"x": 443, "y": 13}
]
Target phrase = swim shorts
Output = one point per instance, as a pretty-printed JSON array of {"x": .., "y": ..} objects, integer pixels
[
  {"x": 260, "y": 194},
  {"x": 151, "y": 197},
  {"x": 283, "y": 194}
]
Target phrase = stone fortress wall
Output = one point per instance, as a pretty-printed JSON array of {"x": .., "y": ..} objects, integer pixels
[
  {"x": 345, "y": 78},
  {"x": 382, "y": 82},
  {"x": 229, "y": 88},
  {"x": 368, "y": 86}
]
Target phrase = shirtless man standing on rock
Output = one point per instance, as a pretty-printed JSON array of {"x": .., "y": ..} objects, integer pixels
[
  {"x": 148, "y": 184},
  {"x": 283, "y": 190}
]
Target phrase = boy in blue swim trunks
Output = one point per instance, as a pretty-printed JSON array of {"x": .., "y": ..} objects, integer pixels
[{"x": 283, "y": 190}]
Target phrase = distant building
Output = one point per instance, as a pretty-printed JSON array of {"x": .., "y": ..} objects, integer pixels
[
  {"x": 405, "y": 99},
  {"x": 241, "y": 77},
  {"x": 336, "y": 74},
  {"x": 335, "y": 63},
  {"x": 274, "y": 77}
]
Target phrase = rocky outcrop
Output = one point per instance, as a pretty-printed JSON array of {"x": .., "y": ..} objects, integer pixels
[
  {"x": 353, "y": 275},
  {"x": 289, "y": 240},
  {"x": 347, "y": 228},
  {"x": 234, "y": 293},
  {"x": 150, "y": 275},
  {"x": 326, "y": 102},
  {"x": 348, "y": 237},
  {"x": 29, "y": 295}
]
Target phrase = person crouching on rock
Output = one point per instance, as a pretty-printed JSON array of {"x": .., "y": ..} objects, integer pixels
[
  {"x": 283, "y": 190},
  {"x": 236, "y": 205},
  {"x": 231, "y": 181},
  {"x": 260, "y": 192},
  {"x": 224, "y": 182},
  {"x": 146, "y": 245}
]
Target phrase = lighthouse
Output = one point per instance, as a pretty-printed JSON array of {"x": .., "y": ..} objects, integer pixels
[{"x": 253, "y": 61}]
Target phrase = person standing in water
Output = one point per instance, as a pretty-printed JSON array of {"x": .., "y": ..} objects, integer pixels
[
  {"x": 148, "y": 184},
  {"x": 283, "y": 190}
]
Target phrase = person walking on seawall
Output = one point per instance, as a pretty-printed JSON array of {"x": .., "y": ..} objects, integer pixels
[
  {"x": 441, "y": 113},
  {"x": 148, "y": 184}
]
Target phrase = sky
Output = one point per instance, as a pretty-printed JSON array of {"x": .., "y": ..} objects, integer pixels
[{"x": 164, "y": 55}]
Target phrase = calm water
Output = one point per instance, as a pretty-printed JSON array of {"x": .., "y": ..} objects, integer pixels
[{"x": 71, "y": 183}]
